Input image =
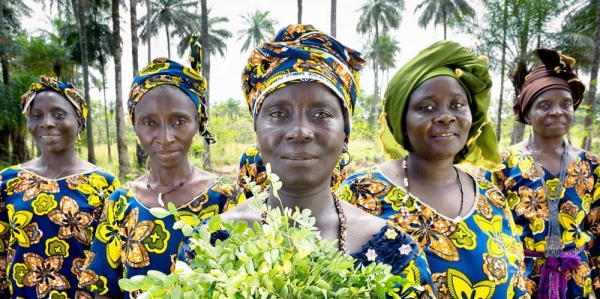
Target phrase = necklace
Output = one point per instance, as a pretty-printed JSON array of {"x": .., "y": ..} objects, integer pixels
[
  {"x": 59, "y": 174},
  {"x": 554, "y": 242},
  {"x": 458, "y": 182},
  {"x": 160, "y": 194},
  {"x": 341, "y": 217}
]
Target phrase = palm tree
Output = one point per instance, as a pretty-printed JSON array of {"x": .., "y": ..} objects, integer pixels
[
  {"x": 259, "y": 27},
  {"x": 217, "y": 36},
  {"x": 333, "y": 17},
  {"x": 206, "y": 47},
  {"x": 299, "y": 11},
  {"x": 379, "y": 15},
  {"x": 140, "y": 154},
  {"x": 172, "y": 14},
  {"x": 444, "y": 12},
  {"x": 117, "y": 44}
]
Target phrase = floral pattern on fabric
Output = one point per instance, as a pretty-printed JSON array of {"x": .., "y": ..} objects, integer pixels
[
  {"x": 478, "y": 256},
  {"x": 578, "y": 211},
  {"x": 130, "y": 240},
  {"x": 46, "y": 226}
]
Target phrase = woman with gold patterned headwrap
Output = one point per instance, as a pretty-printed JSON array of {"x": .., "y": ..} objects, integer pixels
[
  {"x": 435, "y": 115},
  {"x": 50, "y": 205},
  {"x": 552, "y": 186},
  {"x": 301, "y": 88},
  {"x": 167, "y": 109}
]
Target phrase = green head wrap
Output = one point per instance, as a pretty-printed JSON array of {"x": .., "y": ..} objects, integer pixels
[{"x": 443, "y": 58}]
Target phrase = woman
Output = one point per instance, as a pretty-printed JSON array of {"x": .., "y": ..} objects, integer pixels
[
  {"x": 50, "y": 206},
  {"x": 167, "y": 109},
  {"x": 436, "y": 109},
  {"x": 550, "y": 184},
  {"x": 301, "y": 88}
]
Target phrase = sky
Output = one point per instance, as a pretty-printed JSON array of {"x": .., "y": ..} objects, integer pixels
[{"x": 226, "y": 71}]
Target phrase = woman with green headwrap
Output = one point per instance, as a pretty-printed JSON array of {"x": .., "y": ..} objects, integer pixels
[
  {"x": 435, "y": 116},
  {"x": 552, "y": 186}
]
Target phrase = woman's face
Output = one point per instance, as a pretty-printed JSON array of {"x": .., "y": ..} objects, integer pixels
[
  {"x": 53, "y": 122},
  {"x": 166, "y": 122},
  {"x": 551, "y": 114},
  {"x": 300, "y": 132},
  {"x": 438, "y": 118}
]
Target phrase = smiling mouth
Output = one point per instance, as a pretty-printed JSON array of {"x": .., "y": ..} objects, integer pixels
[
  {"x": 444, "y": 135},
  {"x": 49, "y": 136}
]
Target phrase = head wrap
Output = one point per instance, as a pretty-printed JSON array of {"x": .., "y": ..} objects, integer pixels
[
  {"x": 301, "y": 53},
  {"x": 555, "y": 73},
  {"x": 163, "y": 71},
  {"x": 65, "y": 89},
  {"x": 443, "y": 58}
]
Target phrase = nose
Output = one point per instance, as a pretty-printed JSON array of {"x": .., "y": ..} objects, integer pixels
[
  {"x": 165, "y": 135},
  {"x": 300, "y": 130},
  {"x": 445, "y": 117},
  {"x": 48, "y": 121},
  {"x": 556, "y": 110}
]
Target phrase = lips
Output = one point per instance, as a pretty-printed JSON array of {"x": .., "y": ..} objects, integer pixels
[
  {"x": 49, "y": 136},
  {"x": 444, "y": 135}
]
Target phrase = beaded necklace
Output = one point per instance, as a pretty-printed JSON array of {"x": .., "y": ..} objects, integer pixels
[
  {"x": 160, "y": 194},
  {"x": 341, "y": 217},
  {"x": 554, "y": 242}
]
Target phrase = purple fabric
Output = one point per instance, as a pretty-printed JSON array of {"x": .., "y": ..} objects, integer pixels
[{"x": 553, "y": 279}]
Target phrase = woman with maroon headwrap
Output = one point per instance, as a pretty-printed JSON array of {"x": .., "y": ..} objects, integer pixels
[{"x": 552, "y": 186}]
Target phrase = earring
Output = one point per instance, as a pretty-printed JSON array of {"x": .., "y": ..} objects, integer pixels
[{"x": 343, "y": 161}]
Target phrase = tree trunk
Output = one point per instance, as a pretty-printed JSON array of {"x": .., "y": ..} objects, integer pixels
[
  {"x": 5, "y": 70},
  {"x": 149, "y": 31},
  {"x": 376, "y": 79},
  {"x": 502, "y": 70},
  {"x": 445, "y": 22},
  {"x": 591, "y": 97},
  {"x": 169, "y": 41},
  {"x": 78, "y": 9},
  {"x": 299, "y": 11},
  {"x": 205, "y": 71},
  {"x": 20, "y": 153},
  {"x": 117, "y": 45},
  {"x": 103, "y": 73},
  {"x": 4, "y": 144},
  {"x": 140, "y": 154},
  {"x": 333, "y": 17},
  {"x": 519, "y": 79}
]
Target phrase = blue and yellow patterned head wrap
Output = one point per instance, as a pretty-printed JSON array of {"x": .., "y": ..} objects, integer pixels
[
  {"x": 189, "y": 79},
  {"x": 65, "y": 89},
  {"x": 301, "y": 53}
]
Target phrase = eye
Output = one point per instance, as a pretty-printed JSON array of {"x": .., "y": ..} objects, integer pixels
[
  {"x": 149, "y": 123},
  {"x": 568, "y": 103},
  {"x": 180, "y": 122},
  {"x": 277, "y": 114},
  {"x": 34, "y": 115},
  {"x": 426, "y": 107},
  {"x": 58, "y": 115},
  {"x": 322, "y": 114},
  {"x": 457, "y": 104}
]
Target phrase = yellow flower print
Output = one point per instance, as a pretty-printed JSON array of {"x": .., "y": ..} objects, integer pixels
[
  {"x": 56, "y": 246},
  {"x": 552, "y": 185},
  {"x": 463, "y": 237},
  {"x": 524, "y": 162},
  {"x": 58, "y": 295},
  {"x": 587, "y": 287},
  {"x": 367, "y": 190},
  {"x": 108, "y": 233},
  {"x": 531, "y": 245},
  {"x": 586, "y": 202},
  {"x": 397, "y": 198},
  {"x": 483, "y": 206},
  {"x": 97, "y": 189},
  {"x": 460, "y": 286},
  {"x": 4, "y": 230},
  {"x": 18, "y": 226},
  {"x": 537, "y": 226},
  {"x": 580, "y": 176},
  {"x": 72, "y": 222},
  {"x": 572, "y": 232},
  {"x": 44, "y": 275},
  {"x": 31, "y": 185},
  {"x": 158, "y": 239},
  {"x": 496, "y": 269},
  {"x": 533, "y": 203},
  {"x": 580, "y": 273},
  {"x": 513, "y": 199},
  {"x": 499, "y": 242},
  {"x": 43, "y": 203},
  {"x": 83, "y": 295},
  {"x": 133, "y": 235},
  {"x": 18, "y": 273}
]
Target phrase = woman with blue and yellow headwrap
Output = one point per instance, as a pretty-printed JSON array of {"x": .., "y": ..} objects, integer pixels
[
  {"x": 50, "y": 205},
  {"x": 301, "y": 88},
  {"x": 167, "y": 109},
  {"x": 435, "y": 115}
]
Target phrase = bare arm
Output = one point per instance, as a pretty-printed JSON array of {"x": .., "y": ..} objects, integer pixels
[{"x": 96, "y": 296}]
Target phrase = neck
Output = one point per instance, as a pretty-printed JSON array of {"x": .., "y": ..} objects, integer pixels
[
  {"x": 57, "y": 161},
  {"x": 547, "y": 144},
  {"x": 319, "y": 201},
  {"x": 164, "y": 177},
  {"x": 431, "y": 171}
]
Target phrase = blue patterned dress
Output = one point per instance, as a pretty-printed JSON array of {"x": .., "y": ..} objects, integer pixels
[
  {"x": 130, "y": 240},
  {"x": 478, "y": 256},
  {"x": 46, "y": 226},
  {"x": 578, "y": 215}
]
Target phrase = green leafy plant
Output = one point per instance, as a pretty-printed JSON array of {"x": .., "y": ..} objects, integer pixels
[{"x": 285, "y": 258}]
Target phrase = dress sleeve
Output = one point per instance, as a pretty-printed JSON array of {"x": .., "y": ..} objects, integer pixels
[
  {"x": 252, "y": 167},
  {"x": 4, "y": 237},
  {"x": 592, "y": 221},
  {"x": 229, "y": 194},
  {"x": 103, "y": 267}
]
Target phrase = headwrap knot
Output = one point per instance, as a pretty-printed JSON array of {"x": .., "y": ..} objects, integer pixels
[
  {"x": 189, "y": 79},
  {"x": 65, "y": 89},
  {"x": 301, "y": 53},
  {"x": 555, "y": 73},
  {"x": 443, "y": 58}
]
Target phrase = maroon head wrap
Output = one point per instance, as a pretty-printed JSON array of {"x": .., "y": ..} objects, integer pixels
[{"x": 555, "y": 73}]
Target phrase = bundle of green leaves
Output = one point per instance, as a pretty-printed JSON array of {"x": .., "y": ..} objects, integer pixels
[{"x": 284, "y": 258}]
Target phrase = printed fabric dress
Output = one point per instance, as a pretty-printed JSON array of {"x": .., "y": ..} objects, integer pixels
[
  {"x": 130, "y": 240},
  {"x": 477, "y": 256},
  {"x": 578, "y": 215},
  {"x": 388, "y": 246},
  {"x": 46, "y": 227}
]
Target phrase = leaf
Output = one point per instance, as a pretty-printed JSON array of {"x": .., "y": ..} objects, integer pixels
[
  {"x": 187, "y": 230},
  {"x": 214, "y": 224},
  {"x": 159, "y": 212}
]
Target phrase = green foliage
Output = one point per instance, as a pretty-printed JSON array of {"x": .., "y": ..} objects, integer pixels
[
  {"x": 285, "y": 258},
  {"x": 259, "y": 28}
]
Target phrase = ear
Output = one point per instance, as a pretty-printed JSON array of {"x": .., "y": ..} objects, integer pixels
[
  {"x": 257, "y": 144},
  {"x": 526, "y": 118},
  {"x": 79, "y": 125},
  {"x": 345, "y": 147}
]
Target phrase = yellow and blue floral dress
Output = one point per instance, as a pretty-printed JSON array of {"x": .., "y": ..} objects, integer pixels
[
  {"x": 46, "y": 228},
  {"x": 477, "y": 256},
  {"x": 578, "y": 215},
  {"x": 130, "y": 240}
]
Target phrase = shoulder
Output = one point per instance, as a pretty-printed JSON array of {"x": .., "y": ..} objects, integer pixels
[{"x": 10, "y": 171}]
